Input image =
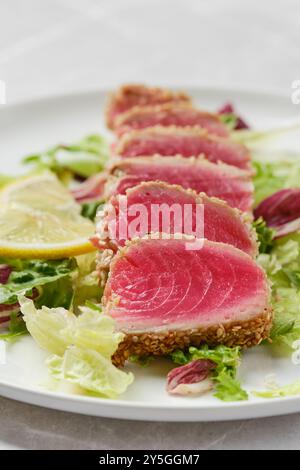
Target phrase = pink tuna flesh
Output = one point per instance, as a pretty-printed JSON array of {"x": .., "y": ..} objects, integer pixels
[
  {"x": 159, "y": 285},
  {"x": 183, "y": 142},
  {"x": 160, "y": 207},
  {"x": 170, "y": 115},
  {"x": 222, "y": 181}
]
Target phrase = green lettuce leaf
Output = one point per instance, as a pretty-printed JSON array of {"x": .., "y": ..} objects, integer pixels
[
  {"x": 254, "y": 137},
  {"x": 286, "y": 325},
  {"x": 142, "y": 361},
  {"x": 273, "y": 176},
  {"x": 81, "y": 346},
  {"x": 36, "y": 274},
  {"x": 91, "y": 371},
  {"x": 228, "y": 388},
  {"x": 48, "y": 326},
  {"x": 5, "y": 179},
  {"x": 16, "y": 328},
  {"x": 285, "y": 391},
  {"x": 282, "y": 266},
  {"x": 227, "y": 360},
  {"x": 264, "y": 235},
  {"x": 89, "y": 209},
  {"x": 229, "y": 119},
  {"x": 86, "y": 282},
  {"x": 56, "y": 328},
  {"x": 84, "y": 158},
  {"x": 59, "y": 293}
]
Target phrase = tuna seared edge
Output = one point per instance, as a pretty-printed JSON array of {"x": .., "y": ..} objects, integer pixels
[
  {"x": 165, "y": 297},
  {"x": 217, "y": 180},
  {"x": 160, "y": 207},
  {"x": 128, "y": 96},
  {"x": 186, "y": 141},
  {"x": 169, "y": 114}
]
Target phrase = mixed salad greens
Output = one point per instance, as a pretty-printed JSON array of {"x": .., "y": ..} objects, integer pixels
[{"x": 58, "y": 301}]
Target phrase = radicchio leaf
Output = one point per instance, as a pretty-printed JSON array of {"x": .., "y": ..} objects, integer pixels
[
  {"x": 5, "y": 271},
  {"x": 281, "y": 211},
  {"x": 228, "y": 108},
  {"x": 191, "y": 379},
  {"x": 90, "y": 190}
]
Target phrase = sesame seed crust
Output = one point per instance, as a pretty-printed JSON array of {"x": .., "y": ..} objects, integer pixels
[{"x": 245, "y": 333}]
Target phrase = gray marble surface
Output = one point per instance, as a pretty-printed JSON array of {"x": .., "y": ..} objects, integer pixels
[
  {"x": 58, "y": 46},
  {"x": 29, "y": 427}
]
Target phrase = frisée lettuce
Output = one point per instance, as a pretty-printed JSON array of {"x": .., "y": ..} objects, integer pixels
[
  {"x": 282, "y": 266},
  {"x": 270, "y": 177}
]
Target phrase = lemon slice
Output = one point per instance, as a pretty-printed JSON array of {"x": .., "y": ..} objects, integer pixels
[{"x": 40, "y": 219}]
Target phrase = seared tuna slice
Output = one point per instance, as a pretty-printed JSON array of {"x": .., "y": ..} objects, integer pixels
[
  {"x": 218, "y": 180},
  {"x": 169, "y": 114},
  {"x": 128, "y": 96},
  {"x": 185, "y": 141},
  {"x": 161, "y": 207},
  {"x": 164, "y": 296}
]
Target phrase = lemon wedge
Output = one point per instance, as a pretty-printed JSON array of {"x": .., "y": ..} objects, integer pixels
[{"x": 40, "y": 219}]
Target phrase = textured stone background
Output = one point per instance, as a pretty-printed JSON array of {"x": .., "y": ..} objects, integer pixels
[{"x": 58, "y": 46}]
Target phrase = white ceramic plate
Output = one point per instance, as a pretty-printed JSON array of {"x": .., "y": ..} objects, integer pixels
[{"x": 34, "y": 126}]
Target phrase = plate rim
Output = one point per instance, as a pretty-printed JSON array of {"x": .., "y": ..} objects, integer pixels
[
  {"x": 122, "y": 409},
  {"x": 43, "y": 98}
]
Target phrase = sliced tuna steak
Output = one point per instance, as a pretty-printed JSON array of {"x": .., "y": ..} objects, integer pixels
[
  {"x": 219, "y": 180},
  {"x": 169, "y": 114},
  {"x": 164, "y": 297},
  {"x": 187, "y": 141},
  {"x": 161, "y": 207},
  {"x": 129, "y": 96}
]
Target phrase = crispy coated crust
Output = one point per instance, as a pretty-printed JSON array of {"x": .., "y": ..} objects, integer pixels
[
  {"x": 103, "y": 261},
  {"x": 131, "y": 91},
  {"x": 246, "y": 333}
]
